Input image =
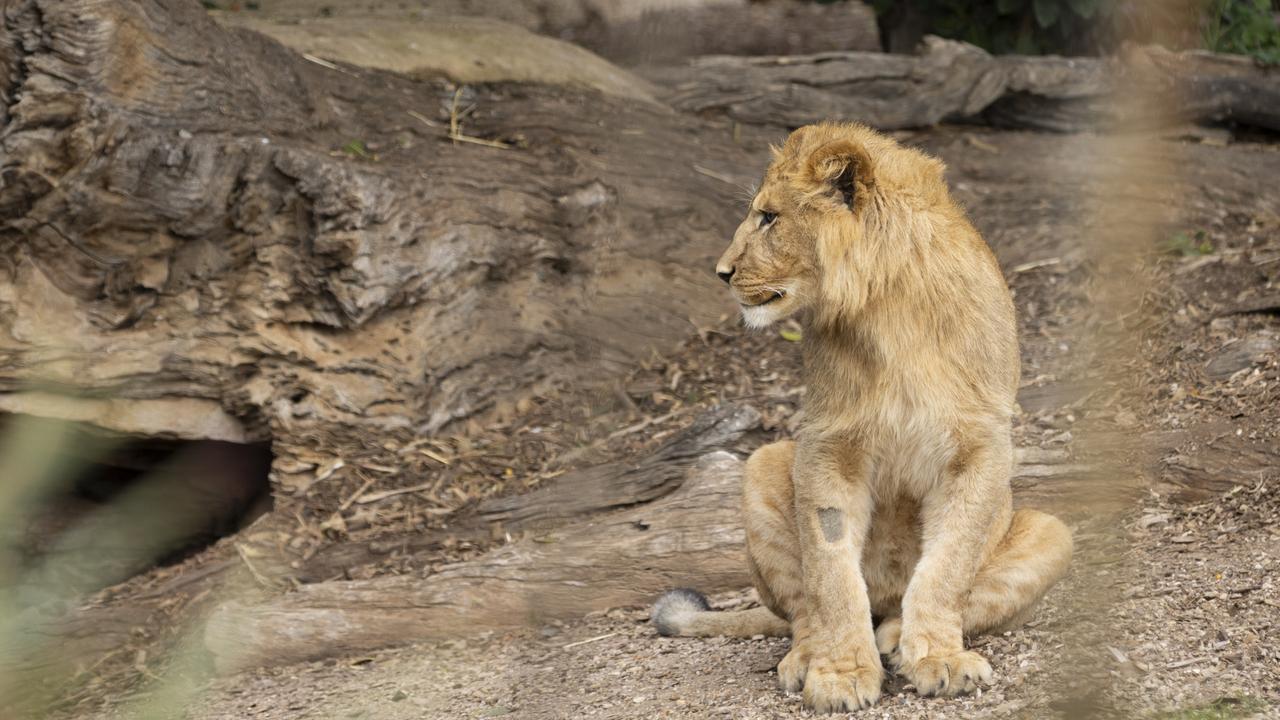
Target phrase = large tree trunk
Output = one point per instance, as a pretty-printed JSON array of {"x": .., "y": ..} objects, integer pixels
[{"x": 193, "y": 213}]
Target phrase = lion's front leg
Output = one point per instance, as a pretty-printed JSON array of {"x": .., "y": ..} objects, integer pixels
[
  {"x": 957, "y": 519},
  {"x": 836, "y": 655}
]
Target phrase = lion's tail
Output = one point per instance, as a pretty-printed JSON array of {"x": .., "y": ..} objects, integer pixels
[{"x": 686, "y": 613}]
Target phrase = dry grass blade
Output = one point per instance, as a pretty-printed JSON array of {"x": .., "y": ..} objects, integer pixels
[
  {"x": 384, "y": 494},
  {"x": 455, "y": 125},
  {"x": 435, "y": 456},
  {"x": 326, "y": 64},
  {"x": 422, "y": 118},
  {"x": 351, "y": 499},
  {"x": 1035, "y": 264},
  {"x": 597, "y": 638},
  {"x": 715, "y": 175}
]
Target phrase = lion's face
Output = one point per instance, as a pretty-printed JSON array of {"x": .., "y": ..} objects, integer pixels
[
  {"x": 810, "y": 196},
  {"x": 771, "y": 265}
]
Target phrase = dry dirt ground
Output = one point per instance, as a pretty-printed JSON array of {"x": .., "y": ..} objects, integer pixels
[
  {"x": 1172, "y": 607},
  {"x": 1193, "y": 628}
]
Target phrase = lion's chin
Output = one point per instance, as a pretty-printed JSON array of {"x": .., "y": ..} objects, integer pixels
[{"x": 765, "y": 314}]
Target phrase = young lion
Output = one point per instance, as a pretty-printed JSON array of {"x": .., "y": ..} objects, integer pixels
[{"x": 894, "y": 499}]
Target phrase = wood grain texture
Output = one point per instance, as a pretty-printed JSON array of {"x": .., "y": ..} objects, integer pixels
[
  {"x": 194, "y": 212},
  {"x": 692, "y": 536},
  {"x": 575, "y": 496},
  {"x": 954, "y": 81}
]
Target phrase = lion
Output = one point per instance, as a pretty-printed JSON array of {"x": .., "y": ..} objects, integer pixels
[{"x": 894, "y": 500}]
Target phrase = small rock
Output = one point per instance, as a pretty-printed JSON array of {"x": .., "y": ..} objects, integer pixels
[
  {"x": 1237, "y": 355},
  {"x": 398, "y": 696}
]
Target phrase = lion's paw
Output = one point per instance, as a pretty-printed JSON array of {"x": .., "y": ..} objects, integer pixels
[
  {"x": 887, "y": 637},
  {"x": 838, "y": 687},
  {"x": 793, "y": 668},
  {"x": 950, "y": 675}
]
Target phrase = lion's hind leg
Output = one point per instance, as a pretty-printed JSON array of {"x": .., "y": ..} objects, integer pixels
[
  {"x": 773, "y": 556},
  {"x": 768, "y": 510},
  {"x": 1033, "y": 555}
]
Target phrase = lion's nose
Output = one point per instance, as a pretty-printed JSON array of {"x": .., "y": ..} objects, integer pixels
[{"x": 725, "y": 275}]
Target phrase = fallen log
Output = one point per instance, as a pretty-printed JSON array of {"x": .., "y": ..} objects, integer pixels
[
  {"x": 574, "y": 496},
  {"x": 324, "y": 250},
  {"x": 621, "y": 484},
  {"x": 954, "y": 81},
  {"x": 692, "y": 536}
]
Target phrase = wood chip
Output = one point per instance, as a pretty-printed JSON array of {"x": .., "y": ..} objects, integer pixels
[
  {"x": 590, "y": 640},
  {"x": 384, "y": 494},
  {"x": 1034, "y": 264}
]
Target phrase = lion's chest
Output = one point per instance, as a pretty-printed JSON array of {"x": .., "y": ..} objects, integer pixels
[{"x": 903, "y": 438}]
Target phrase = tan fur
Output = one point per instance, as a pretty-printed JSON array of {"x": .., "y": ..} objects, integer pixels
[{"x": 894, "y": 499}]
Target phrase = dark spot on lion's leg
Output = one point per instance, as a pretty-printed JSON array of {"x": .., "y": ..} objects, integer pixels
[{"x": 832, "y": 522}]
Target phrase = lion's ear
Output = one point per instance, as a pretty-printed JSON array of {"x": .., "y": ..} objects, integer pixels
[{"x": 846, "y": 167}]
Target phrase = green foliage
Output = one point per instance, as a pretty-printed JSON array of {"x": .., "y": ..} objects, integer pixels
[
  {"x": 1245, "y": 27},
  {"x": 1025, "y": 27},
  {"x": 1189, "y": 244},
  {"x": 1033, "y": 27},
  {"x": 357, "y": 149}
]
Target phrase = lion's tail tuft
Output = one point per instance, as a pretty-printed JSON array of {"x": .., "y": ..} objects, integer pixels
[{"x": 686, "y": 613}]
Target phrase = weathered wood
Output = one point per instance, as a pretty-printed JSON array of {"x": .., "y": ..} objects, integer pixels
[
  {"x": 306, "y": 252},
  {"x": 949, "y": 80},
  {"x": 617, "y": 485},
  {"x": 574, "y": 496},
  {"x": 692, "y": 536},
  {"x": 778, "y": 27},
  {"x": 886, "y": 91},
  {"x": 1198, "y": 463}
]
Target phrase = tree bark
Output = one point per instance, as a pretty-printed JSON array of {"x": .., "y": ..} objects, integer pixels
[
  {"x": 573, "y": 497},
  {"x": 691, "y": 537},
  {"x": 194, "y": 213},
  {"x": 950, "y": 80}
]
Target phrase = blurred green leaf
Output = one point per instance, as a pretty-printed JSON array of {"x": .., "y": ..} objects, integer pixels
[
  {"x": 356, "y": 148},
  {"x": 1244, "y": 27},
  {"x": 1026, "y": 43},
  {"x": 1046, "y": 12},
  {"x": 1189, "y": 244},
  {"x": 1084, "y": 8}
]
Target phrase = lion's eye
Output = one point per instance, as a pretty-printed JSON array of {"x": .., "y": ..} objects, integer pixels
[{"x": 767, "y": 218}]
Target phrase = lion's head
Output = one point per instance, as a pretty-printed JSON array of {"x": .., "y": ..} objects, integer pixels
[{"x": 826, "y": 222}]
